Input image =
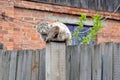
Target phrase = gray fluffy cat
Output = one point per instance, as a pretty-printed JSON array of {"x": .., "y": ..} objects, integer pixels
[{"x": 56, "y": 31}]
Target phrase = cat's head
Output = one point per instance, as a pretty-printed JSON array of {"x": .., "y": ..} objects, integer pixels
[{"x": 43, "y": 28}]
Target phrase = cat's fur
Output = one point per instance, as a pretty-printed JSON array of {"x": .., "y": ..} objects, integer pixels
[
  {"x": 56, "y": 31},
  {"x": 43, "y": 29}
]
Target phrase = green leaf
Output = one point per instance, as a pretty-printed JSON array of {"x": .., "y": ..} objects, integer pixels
[
  {"x": 97, "y": 17},
  {"x": 75, "y": 34},
  {"x": 83, "y": 16}
]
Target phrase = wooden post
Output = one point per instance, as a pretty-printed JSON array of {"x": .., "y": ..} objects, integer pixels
[{"x": 55, "y": 61}]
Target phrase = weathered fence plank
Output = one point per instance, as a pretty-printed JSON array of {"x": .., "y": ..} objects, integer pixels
[
  {"x": 84, "y": 3},
  {"x": 23, "y": 75},
  {"x": 35, "y": 64},
  {"x": 55, "y": 61},
  {"x": 73, "y": 63},
  {"x": 116, "y": 62},
  {"x": 28, "y": 65},
  {"x": 13, "y": 61},
  {"x": 19, "y": 65},
  {"x": 96, "y": 62},
  {"x": 85, "y": 63},
  {"x": 42, "y": 65},
  {"x": 107, "y": 66},
  {"x": 68, "y": 63},
  {"x": 6, "y": 64},
  {"x": 1, "y": 69},
  {"x": 47, "y": 63}
]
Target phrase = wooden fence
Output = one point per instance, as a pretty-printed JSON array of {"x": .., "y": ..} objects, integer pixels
[
  {"x": 22, "y": 65},
  {"x": 99, "y": 5},
  {"x": 99, "y": 62}
]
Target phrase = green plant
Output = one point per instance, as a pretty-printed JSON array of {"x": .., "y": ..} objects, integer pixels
[
  {"x": 93, "y": 30},
  {"x": 80, "y": 25}
]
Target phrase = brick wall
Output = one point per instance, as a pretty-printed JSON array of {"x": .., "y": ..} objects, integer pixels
[
  {"x": 110, "y": 32},
  {"x": 18, "y": 31}
]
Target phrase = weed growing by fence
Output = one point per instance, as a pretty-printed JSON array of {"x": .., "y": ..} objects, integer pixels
[{"x": 93, "y": 30}]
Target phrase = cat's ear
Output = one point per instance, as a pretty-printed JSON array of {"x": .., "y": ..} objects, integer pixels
[{"x": 49, "y": 25}]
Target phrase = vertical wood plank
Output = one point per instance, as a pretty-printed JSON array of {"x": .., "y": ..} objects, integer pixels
[
  {"x": 13, "y": 61},
  {"x": 6, "y": 64},
  {"x": 96, "y": 62},
  {"x": 55, "y": 61},
  {"x": 42, "y": 64},
  {"x": 85, "y": 63},
  {"x": 19, "y": 65},
  {"x": 35, "y": 64},
  {"x": 99, "y": 5},
  {"x": 107, "y": 66},
  {"x": 116, "y": 62},
  {"x": 47, "y": 62},
  {"x": 84, "y": 3},
  {"x": 1, "y": 68},
  {"x": 73, "y": 63},
  {"x": 28, "y": 65},
  {"x": 23, "y": 75},
  {"x": 68, "y": 62}
]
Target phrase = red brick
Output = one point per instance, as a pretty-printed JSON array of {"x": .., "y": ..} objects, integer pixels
[
  {"x": 7, "y": 28},
  {"x": 1, "y": 34},
  {"x": 9, "y": 48},
  {"x": 28, "y": 19},
  {"x": 31, "y": 34},
  {"x": 1, "y": 39},
  {"x": 35, "y": 38},
  {"x": 29, "y": 27},
  {"x": 17, "y": 0},
  {"x": 4, "y": 31},
  {"x": 33, "y": 31},
  {"x": 11, "y": 40},
  {"x": 9, "y": 13},
  {"x": 25, "y": 38},
  {"x": 16, "y": 29},
  {"x": 17, "y": 40},
  {"x": 3, "y": 3},
  {"x": 84, "y": 10},
  {"x": 25, "y": 30},
  {"x": 10, "y": 44},
  {"x": 0, "y": 27}
]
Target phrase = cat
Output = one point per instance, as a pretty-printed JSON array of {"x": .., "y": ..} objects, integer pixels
[{"x": 55, "y": 31}]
